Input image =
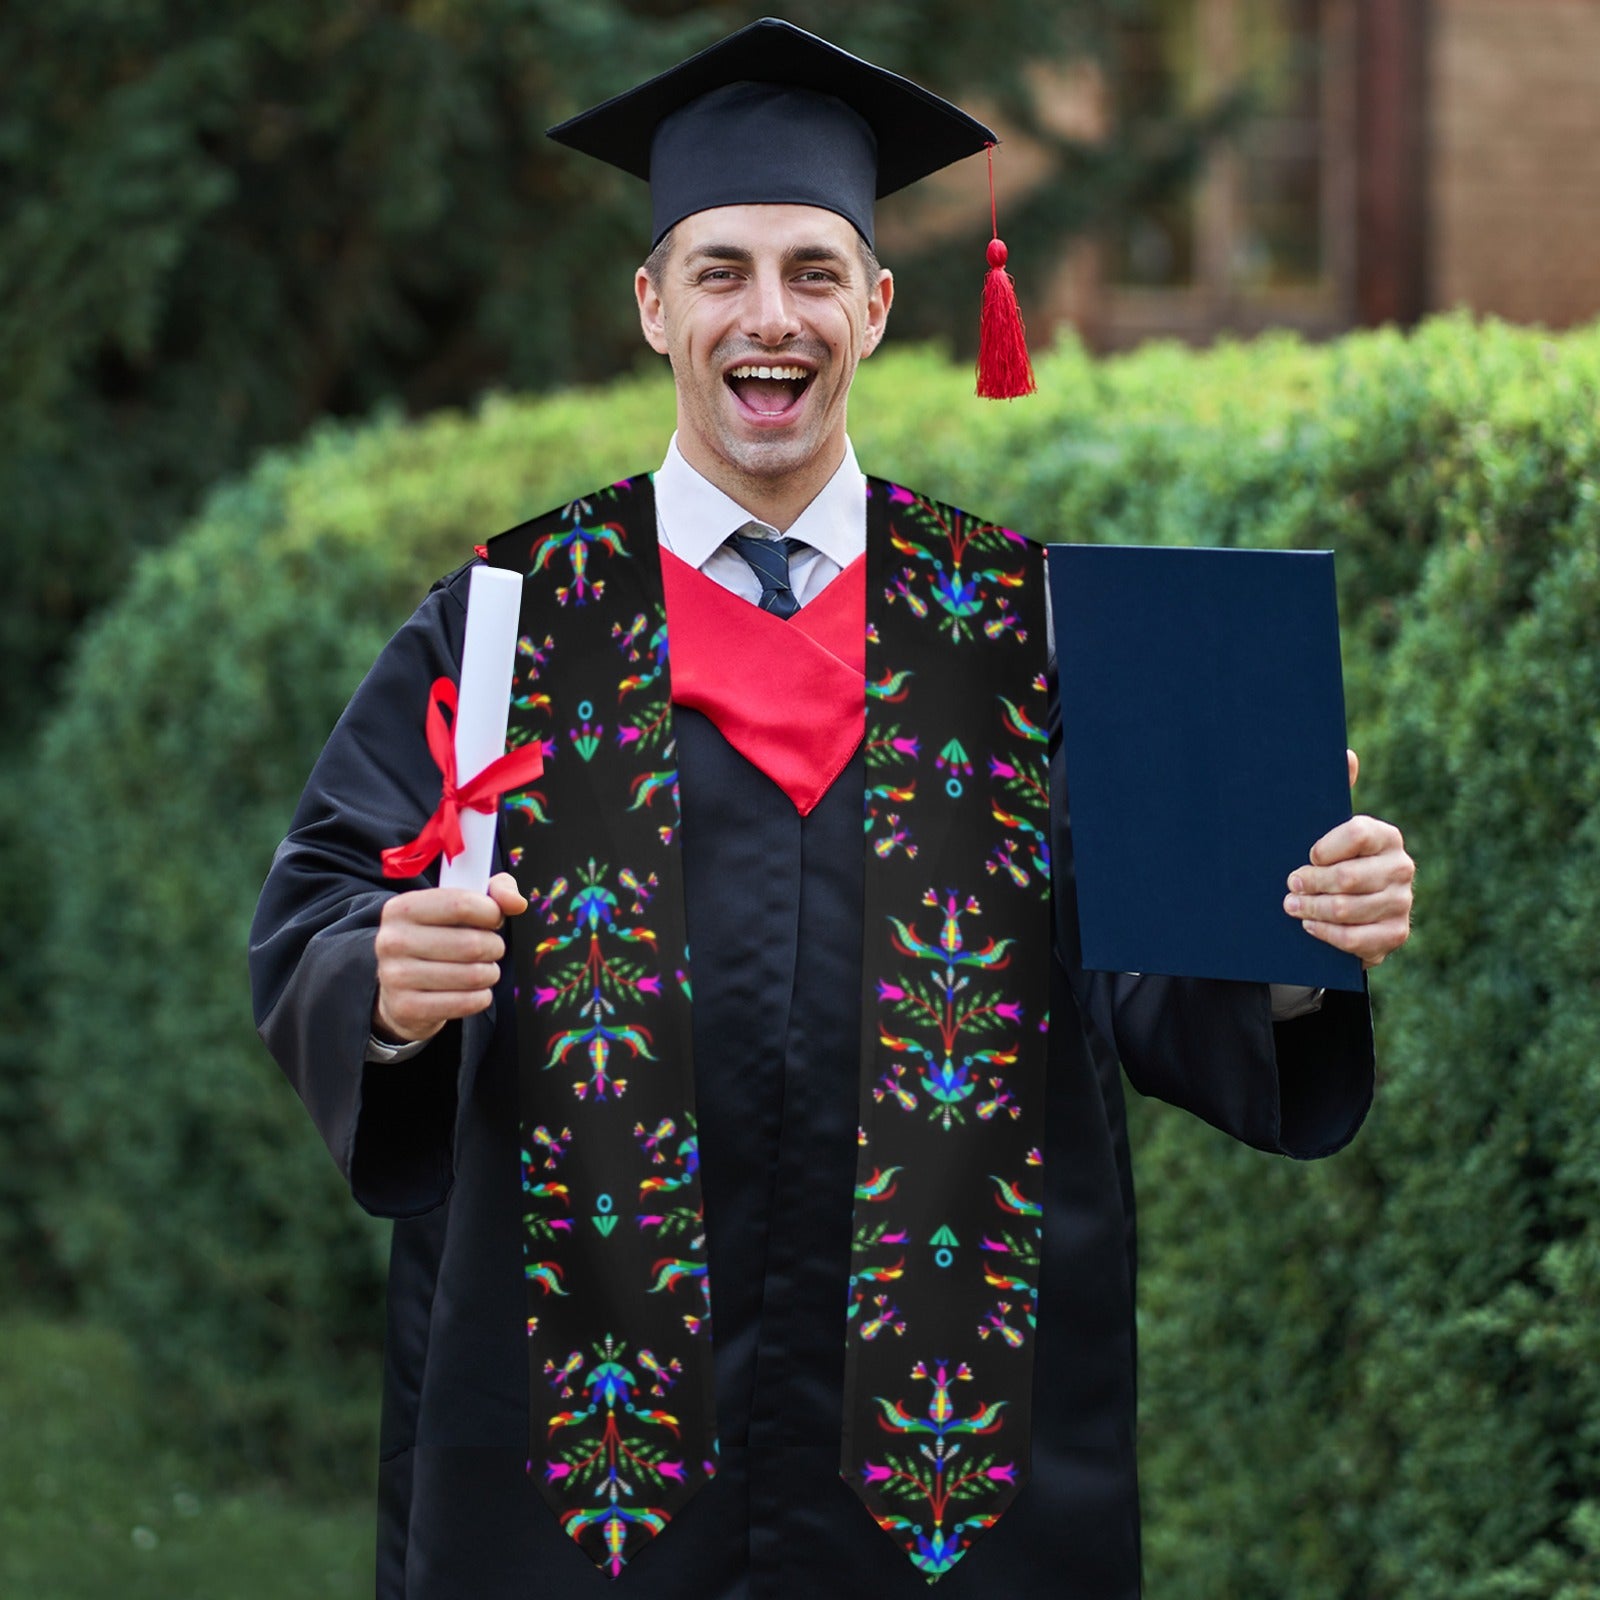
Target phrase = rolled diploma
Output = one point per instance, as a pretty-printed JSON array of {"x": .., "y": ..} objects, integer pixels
[{"x": 488, "y": 659}]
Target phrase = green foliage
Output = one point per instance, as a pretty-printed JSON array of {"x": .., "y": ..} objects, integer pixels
[
  {"x": 26, "y": 1147},
  {"x": 220, "y": 224},
  {"x": 1496, "y": 1038},
  {"x": 94, "y": 1500},
  {"x": 194, "y": 1212},
  {"x": 1386, "y": 1388},
  {"x": 1369, "y": 1379}
]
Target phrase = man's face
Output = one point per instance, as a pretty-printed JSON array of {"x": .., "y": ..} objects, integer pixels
[{"x": 780, "y": 290}]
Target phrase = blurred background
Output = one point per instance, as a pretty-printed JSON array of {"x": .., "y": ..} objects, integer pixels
[{"x": 297, "y": 305}]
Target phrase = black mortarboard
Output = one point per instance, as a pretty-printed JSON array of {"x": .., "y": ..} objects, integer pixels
[{"x": 774, "y": 115}]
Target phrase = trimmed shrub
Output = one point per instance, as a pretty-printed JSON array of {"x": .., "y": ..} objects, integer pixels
[
  {"x": 195, "y": 1207},
  {"x": 1375, "y": 1377}
]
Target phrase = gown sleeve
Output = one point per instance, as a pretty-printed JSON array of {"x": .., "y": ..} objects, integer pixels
[
  {"x": 1300, "y": 1088},
  {"x": 390, "y": 1127}
]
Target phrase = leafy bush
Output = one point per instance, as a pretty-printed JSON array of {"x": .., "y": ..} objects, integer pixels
[
  {"x": 1370, "y": 1378},
  {"x": 1376, "y": 1378},
  {"x": 193, "y": 1209},
  {"x": 319, "y": 206}
]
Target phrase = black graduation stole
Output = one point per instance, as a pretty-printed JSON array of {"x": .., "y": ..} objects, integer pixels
[{"x": 945, "y": 1257}]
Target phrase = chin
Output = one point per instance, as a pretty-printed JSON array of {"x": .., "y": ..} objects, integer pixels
[{"x": 771, "y": 457}]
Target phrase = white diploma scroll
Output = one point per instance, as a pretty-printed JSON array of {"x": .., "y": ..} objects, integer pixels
[{"x": 494, "y": 603}]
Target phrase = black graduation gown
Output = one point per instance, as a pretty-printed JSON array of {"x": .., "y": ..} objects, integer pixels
[{"x": 432, "y": 1143}]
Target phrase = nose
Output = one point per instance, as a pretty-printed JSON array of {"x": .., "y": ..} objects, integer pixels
[{"x": 771, "y": 318}]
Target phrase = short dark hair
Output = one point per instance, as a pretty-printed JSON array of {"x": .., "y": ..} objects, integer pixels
[{"x": 656, "y": 262}]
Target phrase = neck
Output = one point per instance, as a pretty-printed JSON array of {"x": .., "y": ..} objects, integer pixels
[{"x": 777, "y": 500}]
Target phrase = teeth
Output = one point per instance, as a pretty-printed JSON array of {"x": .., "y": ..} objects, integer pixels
[{"x": 798, "y": 374}]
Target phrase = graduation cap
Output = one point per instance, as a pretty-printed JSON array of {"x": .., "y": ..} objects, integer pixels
[{"x": 773, "y": 115}]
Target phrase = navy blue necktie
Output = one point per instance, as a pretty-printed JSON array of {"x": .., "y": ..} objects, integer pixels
[{"x": 769, "y": 560}]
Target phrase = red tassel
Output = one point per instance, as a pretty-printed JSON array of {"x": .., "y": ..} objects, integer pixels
[{"x": 1004, "y": 370}]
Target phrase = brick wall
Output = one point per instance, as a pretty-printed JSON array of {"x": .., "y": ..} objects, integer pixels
[{"x": 1514, "y": 162}]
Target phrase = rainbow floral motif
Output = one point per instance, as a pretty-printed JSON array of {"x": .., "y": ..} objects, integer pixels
[
  {"x": 870, "y": 1311},
  {"x": 1009, "y": 1197},
  {"x": 529, "y": 697},
  {"x": 1021, "y": 803},
  {"x": 646, "y": 722},
  {"x": 531, "y": 659},
  {"x": 614, "y": 1243},
  {"x": 940, "y": 1011},
  {"x": 891, "y": 757},
  {"x": 951, "y": 571},
  {"x": 673, "y": 1149},
  {"x": 579, "y": 541},
  {"x": 957, "y": 797},
  {"x": 945, "y": 1236},
  {"x": 611, "y": 960},
  {"x": 610, "y": 1449},
  {"x": 945, "y": 1472},
  {"x": 1011, "y": 1267},
  {"x": 544, "y": 1194}
]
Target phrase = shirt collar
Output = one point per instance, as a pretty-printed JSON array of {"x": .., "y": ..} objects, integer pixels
[{"x": 696, "y": 517}]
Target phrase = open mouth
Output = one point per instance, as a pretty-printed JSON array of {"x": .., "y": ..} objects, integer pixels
[{"x": 768, "y": 391}]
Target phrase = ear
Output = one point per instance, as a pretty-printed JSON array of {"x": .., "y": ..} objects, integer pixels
[
  {"x": 652, "y": 315},
  {"x": 879, "y": 299}
]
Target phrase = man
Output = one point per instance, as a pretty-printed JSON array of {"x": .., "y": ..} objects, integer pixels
[{"x": 804, "y": 1285}]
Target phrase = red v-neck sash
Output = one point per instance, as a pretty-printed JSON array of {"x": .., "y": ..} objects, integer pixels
[{"x": 789, "y": 696}]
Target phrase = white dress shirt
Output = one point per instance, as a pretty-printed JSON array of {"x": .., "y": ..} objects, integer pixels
[{"x": 694, "y": 518}]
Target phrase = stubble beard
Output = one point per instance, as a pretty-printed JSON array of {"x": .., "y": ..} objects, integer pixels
[{"x": 767, "y": 459}]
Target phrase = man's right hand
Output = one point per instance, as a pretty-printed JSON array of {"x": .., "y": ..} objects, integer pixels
[{"x": 439, "y": 956}]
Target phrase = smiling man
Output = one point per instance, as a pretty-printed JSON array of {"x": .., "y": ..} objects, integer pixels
[{"x": 763, "y": 1213}]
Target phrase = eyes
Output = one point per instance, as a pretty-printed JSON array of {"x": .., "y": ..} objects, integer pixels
[{"x": 804, "y": 277}]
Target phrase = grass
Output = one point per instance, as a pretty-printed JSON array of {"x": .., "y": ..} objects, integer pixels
[{"x": 92, "y": 1504}]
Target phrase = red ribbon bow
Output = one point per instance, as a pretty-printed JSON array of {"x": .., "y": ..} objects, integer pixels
[{"x": 442, "y": 831}]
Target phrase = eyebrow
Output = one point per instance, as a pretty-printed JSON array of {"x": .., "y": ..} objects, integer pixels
[{"x": 795, "y": 255}]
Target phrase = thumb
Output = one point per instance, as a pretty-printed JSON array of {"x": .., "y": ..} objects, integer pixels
[
  {"x": 1354, "y": 762},
  {"x": 504, "y": 892}
]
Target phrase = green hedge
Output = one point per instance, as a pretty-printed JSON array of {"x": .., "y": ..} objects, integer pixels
[
  {"x": 1377, "y": 1377},
  {"x": 1371, "y": 1378},
  {"x": 193, "y": 1205}
]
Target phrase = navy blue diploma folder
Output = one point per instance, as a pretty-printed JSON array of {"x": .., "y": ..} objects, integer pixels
[{"x": 1202, "y": 717}]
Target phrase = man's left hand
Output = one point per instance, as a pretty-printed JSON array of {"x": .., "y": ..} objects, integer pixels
[{"x": 1355, "y": 893}]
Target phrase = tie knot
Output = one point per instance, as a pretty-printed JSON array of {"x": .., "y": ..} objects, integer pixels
[{"x": 768, "y": 558}]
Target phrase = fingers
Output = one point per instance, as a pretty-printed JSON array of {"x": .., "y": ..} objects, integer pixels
[
  {"x": 1356, "y": 892},
  {"x": 448, "y": 908},
  {"x": 410, "y": 1015},
  {"x": 1316, "y": 888},
  {"x": 1360, "y": 836},
  {"x": 434, "y": 977},
  {"x": 427, "y": 941},
  {"x": 1372, "y": 905},
  {"x": 438, "y": 956},
  {"x": 1372, "y": 942}
]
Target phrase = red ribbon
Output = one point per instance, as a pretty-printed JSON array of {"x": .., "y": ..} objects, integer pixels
[{"x": 442, "y": 831}]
